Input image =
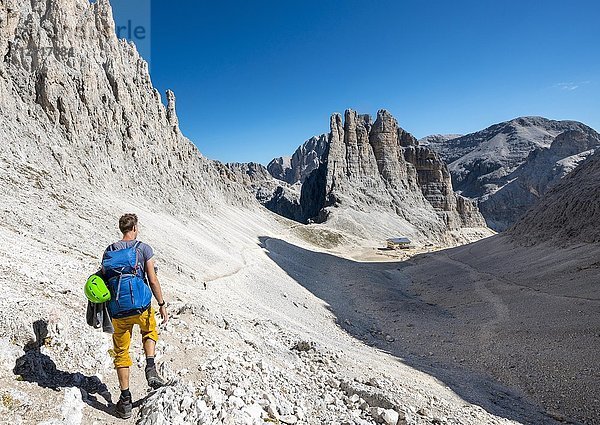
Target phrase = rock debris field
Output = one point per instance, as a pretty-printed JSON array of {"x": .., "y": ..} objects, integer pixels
[{"x": 271, "y": 321}]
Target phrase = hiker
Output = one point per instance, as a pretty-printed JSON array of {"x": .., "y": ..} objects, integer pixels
[{"x": 128, "y": 266}]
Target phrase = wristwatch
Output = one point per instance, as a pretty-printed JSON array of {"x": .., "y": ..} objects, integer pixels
[{"x": 161, "y": 304}]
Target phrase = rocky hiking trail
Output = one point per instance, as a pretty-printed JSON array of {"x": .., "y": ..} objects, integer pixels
[
  {"x": 285, "y": 330},
  {"x": 456, "y": 316},
  {"x": 253, "y": 347},
  {"x": 482, "y": 283},
  {"x": 375, "y": 303},
  {"x": 483, "y": 273}
]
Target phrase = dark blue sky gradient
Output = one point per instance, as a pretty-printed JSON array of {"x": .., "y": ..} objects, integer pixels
[{"x": 254, "y": 79}]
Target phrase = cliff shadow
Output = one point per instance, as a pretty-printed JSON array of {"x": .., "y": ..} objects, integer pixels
[
  {"x": 37, "y": 367},
  {"x": 376, "y": 303}
]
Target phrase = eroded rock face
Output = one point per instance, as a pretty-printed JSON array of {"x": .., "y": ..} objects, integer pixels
[
  {"x": 568, "y": 213},
  {"x": 438, "y": 142},
  {"x": 435, "y": 182},
  {"x": 70, "y": 86},
  {"x": 385, "y": 142},
  {"x": 250, "y": 174},
  {"x": 493, "y": 167},
  {"x": 285, "y": 201},
  {"x": 543, "y": 168},
  {"x": 433, "y": 177},
  {"x": 275, "y": 195},
  {"x": 299, "y": 166},
  {"x": 379, "y": 167}
]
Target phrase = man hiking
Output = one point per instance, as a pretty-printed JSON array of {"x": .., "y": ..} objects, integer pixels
[{"x": 128, "y": 266}]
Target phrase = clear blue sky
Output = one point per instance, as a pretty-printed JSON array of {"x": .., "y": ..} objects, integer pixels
[{"x": 254, "y": 79}]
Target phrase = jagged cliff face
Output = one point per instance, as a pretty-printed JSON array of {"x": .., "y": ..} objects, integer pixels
[
  {"x": 275, "y": 195},
  {"x": 435, "y": 182},
  {"x": 356, "y": 170},
  {"x": 508, "y": 166},
  {"x": 250, "y": 174},
  {"x": 366, "y": 178},
  {"x": 568, "y": 213},
  {"x": 69, "y": 85},
  {"x": 543, "y": 168},
  {"x": 377, "y": 167},
  {"x": 304, "y": 160},
  {"x": 438, "y": 141}
]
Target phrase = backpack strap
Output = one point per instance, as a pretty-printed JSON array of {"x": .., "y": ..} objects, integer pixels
[{"x": 137, "y": 263}]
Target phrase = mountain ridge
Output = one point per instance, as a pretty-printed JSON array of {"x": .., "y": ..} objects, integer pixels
[
  {"x": 104, "y": 107},
  {"x": 486, "y": 165},
  {"x": 370, "y": 166},
  {"x": 256, "y": 332},
  {"x": 568, "y": 213}
]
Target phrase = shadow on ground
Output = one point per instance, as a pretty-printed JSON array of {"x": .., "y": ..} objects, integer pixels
[
  {"x": 34, "y": 366},
  {"x": 378, "y": 304}
]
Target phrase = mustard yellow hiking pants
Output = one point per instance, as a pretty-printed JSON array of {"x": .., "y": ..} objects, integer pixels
[{"x": 122, "y": 334}]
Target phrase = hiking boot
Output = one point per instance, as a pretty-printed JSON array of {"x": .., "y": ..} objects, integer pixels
[
  {"x": 153, "y": 378},
  {"x": 124, "y": 406}
]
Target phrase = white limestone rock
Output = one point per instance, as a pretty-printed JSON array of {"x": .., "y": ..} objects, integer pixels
[{"x": 508, "y": 166}]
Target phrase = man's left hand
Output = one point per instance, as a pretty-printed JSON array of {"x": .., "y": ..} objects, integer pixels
[{"x": 163, "y": 314}]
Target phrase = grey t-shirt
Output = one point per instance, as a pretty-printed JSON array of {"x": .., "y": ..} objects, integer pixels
[{"x": 145, "y": 252}]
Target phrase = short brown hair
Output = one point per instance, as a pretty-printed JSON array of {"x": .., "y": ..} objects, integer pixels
[{"x": 127, "y": 222}]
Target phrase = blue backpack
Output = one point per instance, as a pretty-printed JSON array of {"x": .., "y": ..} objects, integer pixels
[{"x": 129, "y": 293}]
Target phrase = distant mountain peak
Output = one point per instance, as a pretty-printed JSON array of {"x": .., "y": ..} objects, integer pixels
[
  {"x": 485, "y": 164},
  {"x": 370, "y": 168}
]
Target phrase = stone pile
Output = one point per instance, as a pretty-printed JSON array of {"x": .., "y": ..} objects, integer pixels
[{"x": 243, "y": 388}]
